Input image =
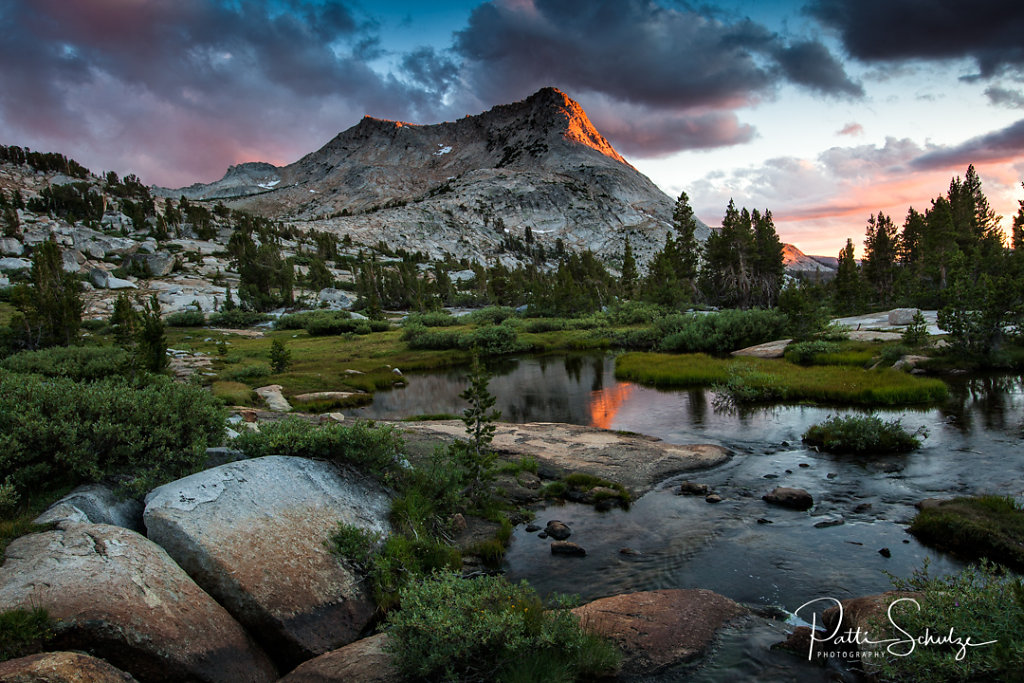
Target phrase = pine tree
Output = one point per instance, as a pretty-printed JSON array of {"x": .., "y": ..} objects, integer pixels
[
  {"x": 880, "y": 257},
  {"x": 124, "y": 322},
  {"x": 152, "y": 344},
  {"x": 768, "y": 263},
  {"x": 1018, "y": 228},
  {"x": 479, "y": 419},
  {"x": 280, "y": 356},
  {"x": 628, "y": 279},
  {"x": 51, "y": 306},
  {"x": 687, "y": 249},
  {"x": 847, "y": 286}
]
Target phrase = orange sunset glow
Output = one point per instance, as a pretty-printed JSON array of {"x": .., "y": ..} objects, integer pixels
[{"x": 605, "y": 404}]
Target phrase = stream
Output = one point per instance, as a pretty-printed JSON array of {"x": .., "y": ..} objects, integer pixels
[{"x": 973, "y": 447}]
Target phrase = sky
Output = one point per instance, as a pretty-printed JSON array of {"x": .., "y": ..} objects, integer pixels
[{"x": 823, "y": 111}]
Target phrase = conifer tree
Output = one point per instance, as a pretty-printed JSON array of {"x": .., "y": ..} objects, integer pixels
[
  {"x": 847, "y": 287},
  {"x": 50, "y": 307},
  {"x": 880, "y": 257},
  {"x": 1018, "y": 228},
  {"x": 151, "y": 350},
  {"x": 687, "y": 249}
]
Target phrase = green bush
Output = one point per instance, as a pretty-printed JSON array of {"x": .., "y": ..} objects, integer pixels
[
  {"x": 983, "y": 603},
  {"x": 326, "y": 323},
  {"x": 892, "y": 353},
  {"x": 356, "y": 544},
  {"x": 807, "y": 352},
  {"x": 186, "y": 319},
  {"x": 491, "y": 315},
  {"x": 56, "y": 430},
  {"x": 863, "y": 434},
  {"x": 493, "y": 340},
  {"x": 488, "y": 629},
  {"x": 634, "y": 313},
  {"x": 298, "y": 321},
  {"x": 916, "y": 333},
  {"x": 237, "y": 319},
  {"x": 719, "y": 332},
  {"x": 980, "y": 527},
  {"x": 490, "y": 340},
  {"x": 365, "y": 445},
  {"x": 24, "y": 632},
  {"x": 431, "y": 319},
  {"x": 74, "y": 362}
]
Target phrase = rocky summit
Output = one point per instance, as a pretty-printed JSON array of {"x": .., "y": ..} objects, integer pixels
[{"x": 460, "y": 187}]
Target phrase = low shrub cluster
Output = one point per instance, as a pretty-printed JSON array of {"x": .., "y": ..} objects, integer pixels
[
  {"x": 489, "y": 340},
  {"x": 79, "y": 363},
  {"x": 810, "y": 352},
  {"x": 863, "y": 434},
  {"x": 365, "y": 445},
  {"x": 489, "y": 629},
  {"x": 431, "y": 319},
  {"x": 237, "y": 319},
  {"x": 983, "y": 603},
  {"x": 989, "y": 527},
  {"x": 491, "y": 315},
  {"x": 327, "y": 323},
  {"x": 55, "y": 430},
  {"x": 186, "y": 319},
  {"x": 719, "y": 332}
]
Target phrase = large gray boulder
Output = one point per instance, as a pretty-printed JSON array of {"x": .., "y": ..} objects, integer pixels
[
  {"x": 657, "y": 630},
  {"x": 902, "y": 316},
  {"x": 119, "y": 596},
  {"x": 12, "y": 264},
  {"x": 159, "y": 264},
  {"x": 102, "y": 279},
  {"x": 95, "y": 504},
  {"x": 11, "y": 247},
  {"x": 252, "y": 533},
  {"x": 61, "y": 667},
  {"x": 336, "y": 298}
]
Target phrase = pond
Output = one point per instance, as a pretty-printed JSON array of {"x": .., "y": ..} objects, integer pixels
[{"x": 759, "y": 555}]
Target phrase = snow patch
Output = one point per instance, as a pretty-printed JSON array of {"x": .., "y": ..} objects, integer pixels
[
  {"x": 442, "y": 150},
  {"x": 312, "y": 191},
  {"x": 267, "y": 186}
]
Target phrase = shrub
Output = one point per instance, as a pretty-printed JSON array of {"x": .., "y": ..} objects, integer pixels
[
  {"x": 916, "y": 333},
  {"x": 719, "y": 332},
  {"x": 355, "y": 544},
  {"x": 280, "y": 356},
  {"x": 431, "y": 319},
  {"x": 980, "y": 602},
  {"x": 24, "y": 632},
  {"x": 60, "y": 431},
  {"x": 367, "y": 446},
  {"x": 807, "y": 352},
  {"x": 74, "y": 362},
  {"x": 493, "y": 340},
  {"x": 892, "y": 353},
  {"x": 863, "y": 434},
  {"x": 186, "y": 319},
  {"x": 237, "y": 319},
  {"x": 298, "y": 321},
  {"x": 634, "y": 313},
  {"x": 487, "y": 629},
  {"x": 9, "y": 498},
  {"x": 980, "y": 527},
  {"x": 491, "y": 315}
]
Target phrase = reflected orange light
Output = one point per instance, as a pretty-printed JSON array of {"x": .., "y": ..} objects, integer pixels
[{"x": 604, "y": 404}]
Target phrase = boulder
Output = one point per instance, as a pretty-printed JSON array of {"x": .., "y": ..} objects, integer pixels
[
  {"x": 902, "y": 316},
  {"x": 859, "y": 613},
  {"x": 567, "y": 548},
  {"x": 363, "y": 661},
  {"x": 795, "y": 499},
  {"x": 274, "y": 399},
  {"x": 61, "y": 667},
  {"x": 325, "y": 396},
  {"x": 336, "y": 298},
  {"x": 118, "y": 595},
  {"x": 71, "y": 260},
  {"x": 95, "y": 504},
  {"x": 252, "y": 533},
  {"x": 10, "y": 247},
  {"x": 772, "y": 349},
  {"x": 690, "y": 488},
  {"x": 558, "y": 530},
  {"x": 13, "y": 264},
  {"x": 659, "y": 629},
  {"x": 160, "y": 264}
]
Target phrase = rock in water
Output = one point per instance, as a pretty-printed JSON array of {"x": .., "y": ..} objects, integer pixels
[
  {"x": 363, "y": 661},
  {"x": 252, "y": 534},
  {"x": 659, "y": 629},
  {"x": 118, "y": 595},
  {"x": 61, "y": 667},
  {"x": 795, "y": 499},
  {"x": 567, "y": 548},
  {"x": 558, "y": 530}
]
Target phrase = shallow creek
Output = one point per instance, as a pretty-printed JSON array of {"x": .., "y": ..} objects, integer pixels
[{"x": 973, "y": 447}]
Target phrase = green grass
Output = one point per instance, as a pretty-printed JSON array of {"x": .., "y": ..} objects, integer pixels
[
  {"x": 989, "y": 527},
  {"x": 6, "y": 311},
  {"x": 24, "y": 632},
  {"x": 760, "y": 380},
  {"x": 862, "y": 434},
  {"x": 234, "y": 393}
]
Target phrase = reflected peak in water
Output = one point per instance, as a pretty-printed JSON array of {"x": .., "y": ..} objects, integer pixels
[{"x": 605, "y": 404}]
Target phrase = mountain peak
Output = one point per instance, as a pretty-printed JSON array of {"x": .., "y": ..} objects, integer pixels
[{"x": 556, "y": 109}]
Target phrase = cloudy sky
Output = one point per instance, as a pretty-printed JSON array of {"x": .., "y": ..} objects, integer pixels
[{"x": 823, "y": 111}]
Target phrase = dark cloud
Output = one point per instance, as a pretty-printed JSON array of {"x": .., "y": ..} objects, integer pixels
[
  {"x": 1000, "y": 145},
  {"x": 225, "y": 81},
  {"x": 987, "y": 31},
  {"x": 680, "y": 72},
  {"x": 636, "y": 51},
  {"x": 430, "y": 69},
  {"x": 1002, "y": 97}
]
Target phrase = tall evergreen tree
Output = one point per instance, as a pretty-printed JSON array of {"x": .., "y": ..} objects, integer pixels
[
  {"x": 687, "y": 249},
  {"x": 628, "y": 279},
  {"x": 1018, "y": 228},
  {"x": 880, "y": 257},
  {"x": 50, "y": 307},
  {"x": 768, "y": 263},
  {"x": 847, "y": 286}
]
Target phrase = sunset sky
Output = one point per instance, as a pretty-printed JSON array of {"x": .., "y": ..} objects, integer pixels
[{"x": 823, "y": 111}]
